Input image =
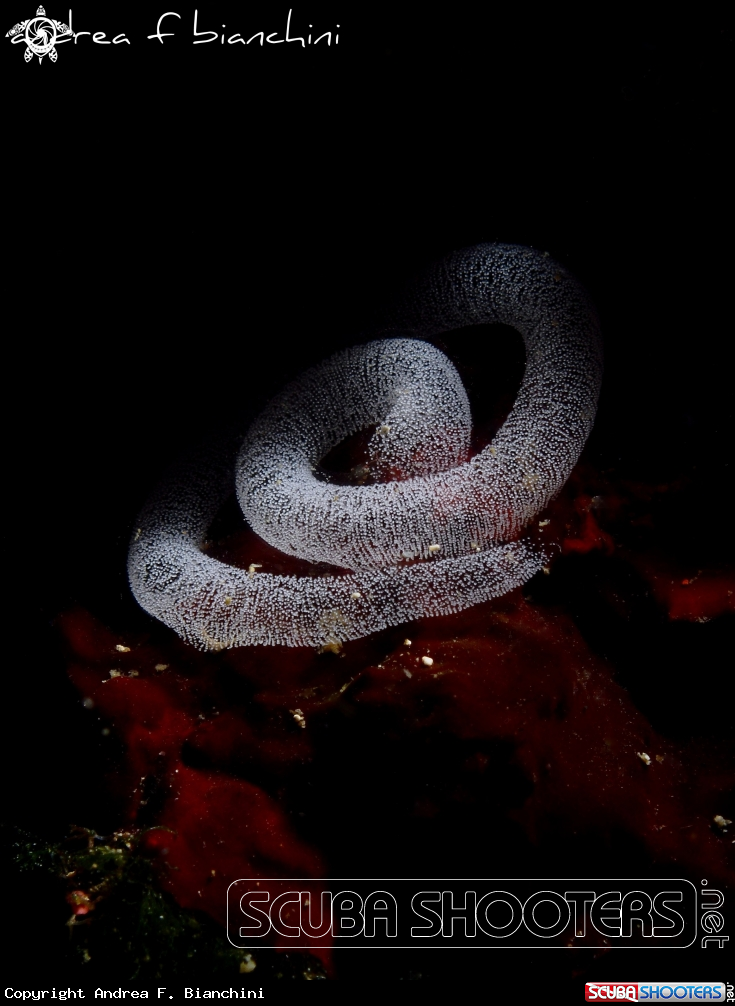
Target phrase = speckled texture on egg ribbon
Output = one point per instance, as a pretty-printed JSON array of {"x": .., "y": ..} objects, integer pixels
[{"x": 436, "y": 539}]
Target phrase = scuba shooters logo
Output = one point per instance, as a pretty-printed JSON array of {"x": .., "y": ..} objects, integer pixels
[
  {"x": 40, "y": 34},
  {"x": 636, "y": 992},
  {"x": 300, "y": 914}
]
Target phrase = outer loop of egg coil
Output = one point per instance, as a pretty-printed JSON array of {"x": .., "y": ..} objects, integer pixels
[{"x": 440, "y": 537}]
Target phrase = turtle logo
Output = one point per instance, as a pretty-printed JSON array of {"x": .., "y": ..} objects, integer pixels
[{"x": 40, "y": 34}]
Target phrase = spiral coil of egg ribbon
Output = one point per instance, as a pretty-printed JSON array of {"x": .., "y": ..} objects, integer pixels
[{"x": 442, "y": 537}]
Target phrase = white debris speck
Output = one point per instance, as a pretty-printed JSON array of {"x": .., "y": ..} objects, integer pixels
[
  {"x": 544, "y": 523},
  {"x": 299, "y": 717},
  {"x": 434, "y": 548},
  {"x": 252, "y": 567},
  {"x": 427, "y": 661},
  {"x": 122, "y": 649},
  {"x": 645, "y": 758},
  {"x": 334, "y": 646},
  {"x": 721, "y": 822},
  {"x": 355, "y": 595},
  {"x": 161, "y": 667},
  {"x": 406, "y": 642},
  {"x": 407, "y": 672}
]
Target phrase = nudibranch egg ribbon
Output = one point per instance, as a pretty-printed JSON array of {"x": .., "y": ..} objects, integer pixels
[{"x": 438, "y": 539}]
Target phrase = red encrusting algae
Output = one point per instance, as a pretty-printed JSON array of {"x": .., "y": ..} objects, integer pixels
[
  {"x": 222, "y": 828},
  {"x": 215, "y": 763},
  {"x": 505, "y": 671}
]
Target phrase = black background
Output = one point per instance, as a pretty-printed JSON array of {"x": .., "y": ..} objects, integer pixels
[{"x": 187, "y": 227}]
